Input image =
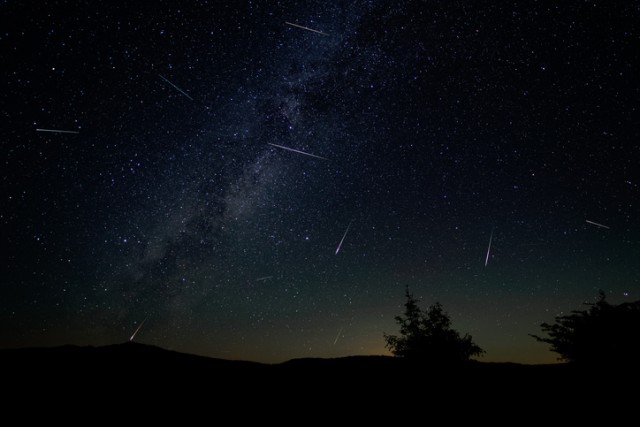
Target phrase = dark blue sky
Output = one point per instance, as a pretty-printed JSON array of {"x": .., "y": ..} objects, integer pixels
[{"x": 440, "y": 122}]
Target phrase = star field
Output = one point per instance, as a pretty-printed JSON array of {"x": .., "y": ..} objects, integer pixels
[{"x": 436, "y": 126}]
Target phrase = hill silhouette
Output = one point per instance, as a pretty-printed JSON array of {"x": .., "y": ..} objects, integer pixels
[
  {"x": 136, "y": 371},
  {"x": 132, "y": 358}
]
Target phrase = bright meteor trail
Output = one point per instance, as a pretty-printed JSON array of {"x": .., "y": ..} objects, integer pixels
[
  {"x": 137, "y": 329},
  {"x": 176, "y": 87},
  {"x": 306, "y": 28},
  {"x": 297, "y": 151},
  {"x": 57, "y": 131},
  {"x": 486, "y": 260},
  {"x": 343, "y": 236},
  {"x": 597, "y": 224}
]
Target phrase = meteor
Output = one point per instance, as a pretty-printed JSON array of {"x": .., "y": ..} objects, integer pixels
[
  {"x": 596, "y": 224},
  {"x": 486, "y": 260},
  {"x": 306, "y": 28},
  {"x": 343, "y": 236},
  {"x": 338, "y": 336},
  {"x": 297, "y": 151},
  {"x": 176, "y": 87},
  {"x": 138, "y": 328},
  {"x": 57, "y": 131}
]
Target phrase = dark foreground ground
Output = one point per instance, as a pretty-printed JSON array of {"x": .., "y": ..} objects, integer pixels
[{"x": 374, "y": 386}]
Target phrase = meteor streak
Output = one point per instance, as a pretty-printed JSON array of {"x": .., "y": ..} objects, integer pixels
[
  {"x": 57, "y": 131},
  {"x": 338, "y": 336},
  {"x": 306, "y": 28},
  {"x": 297, "y": 151},
  {"x": 596, "y": 224},
  {"x": 176, "y": 87},
  {"x": 343, "y": 236},
  {"x": 486, "y": 260},
  {"x": 137, "y": 329}
]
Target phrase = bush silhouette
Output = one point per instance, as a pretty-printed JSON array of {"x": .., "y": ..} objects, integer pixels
[
  {"x": 603, "y": 333},
  {"x": 427, "y": 335}
]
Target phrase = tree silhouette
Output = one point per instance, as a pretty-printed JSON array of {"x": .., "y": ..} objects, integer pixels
[
  {"x": 603, "y": 333},
  {"x": 427, "y": 335}
]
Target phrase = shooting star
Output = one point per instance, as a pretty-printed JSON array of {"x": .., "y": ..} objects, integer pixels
[
  {"x": 57, "y": 131},
  {"x": 338, "y": 336},
  {"x": 297, "y": 151},
  {"x": 486, "y": 260},
  {"x": 138, "y": 328},
  {"x": 597, "y": 225},
  {"x": 176, "y": 87},
  {"x": 343, "y": 236},
  {"x": 261, "y": 279},
  {"x": 306, "y": 28}
]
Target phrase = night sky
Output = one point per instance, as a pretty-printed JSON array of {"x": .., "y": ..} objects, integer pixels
[{"x": 438, "y": 126}]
